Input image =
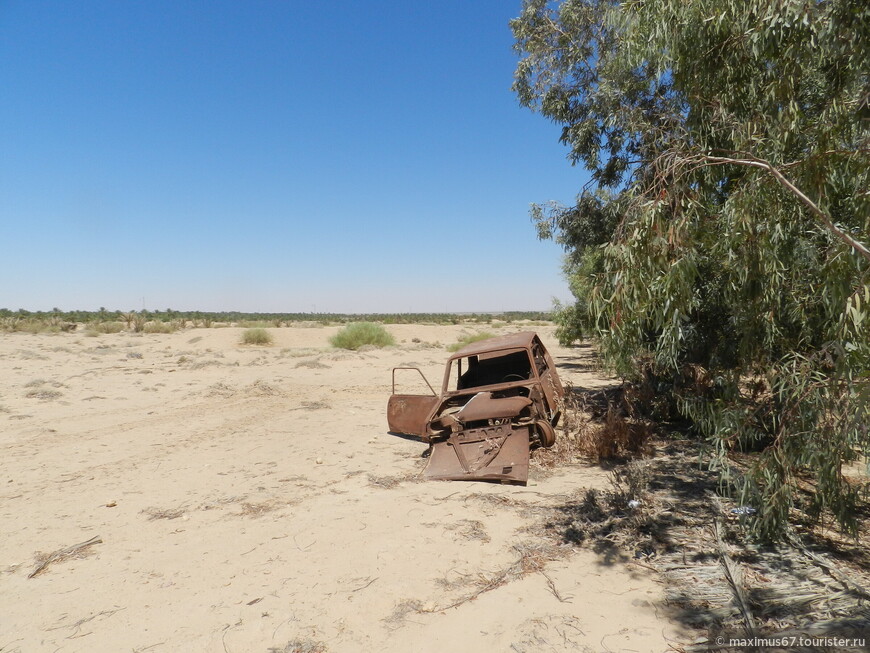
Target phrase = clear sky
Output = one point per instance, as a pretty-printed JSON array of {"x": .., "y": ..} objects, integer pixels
[{"x": 290, "y": 156}]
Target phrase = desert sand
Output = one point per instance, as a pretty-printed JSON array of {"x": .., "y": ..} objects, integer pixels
[{"x": 250, "y": 499}]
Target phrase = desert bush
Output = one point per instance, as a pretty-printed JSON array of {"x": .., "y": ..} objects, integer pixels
[
  {"x": 33, "y": 325},
  {"x": 106, "y": 327},
  {"x": 39, "y": 326},
  {"x": 357, "y": 334},
  {"x": 468, "y": 339},
  {"x": 162, "y": 327},
  {"x": 256, "y": 336}
]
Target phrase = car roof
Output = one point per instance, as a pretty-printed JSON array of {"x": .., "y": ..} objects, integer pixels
[{"x": 521, "y": 340}]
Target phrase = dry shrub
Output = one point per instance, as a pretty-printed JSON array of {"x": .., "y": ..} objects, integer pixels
[
  {"x": 601, "y": 425},
  {"x": 615, "y": 437},
  {"x": 359, "y": 334}
]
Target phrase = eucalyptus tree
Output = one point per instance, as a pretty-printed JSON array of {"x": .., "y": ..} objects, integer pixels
[{"x": 720, "y": 247}]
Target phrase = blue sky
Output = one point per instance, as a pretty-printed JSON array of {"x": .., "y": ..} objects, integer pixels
[{"x": 272, "y": 156}]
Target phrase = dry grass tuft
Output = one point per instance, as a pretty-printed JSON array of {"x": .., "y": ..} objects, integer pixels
[
  {"x": 43, "y": 394},
  {"x": 402, "y": 610},
  {"x": 169, "y": 513},
  {"x": 220, "y": 390},
  {"x": 259, "y": 509},
  {"x": 469, "y": 529},
  {"x": 260, "y": 388}
]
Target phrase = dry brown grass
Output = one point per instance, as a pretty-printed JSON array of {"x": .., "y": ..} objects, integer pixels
[
  {"x": 164, "y": 513},
  {"x": 597, "y": 426}
]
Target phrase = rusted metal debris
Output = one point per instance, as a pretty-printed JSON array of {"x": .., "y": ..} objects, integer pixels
[{"x": 499, "y": 398}]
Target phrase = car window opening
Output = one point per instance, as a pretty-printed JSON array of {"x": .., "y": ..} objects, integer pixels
[{"x": 490, "y": 369}]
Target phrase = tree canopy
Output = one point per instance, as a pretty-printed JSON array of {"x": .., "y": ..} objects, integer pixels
[{"x": 720, "y": 249}]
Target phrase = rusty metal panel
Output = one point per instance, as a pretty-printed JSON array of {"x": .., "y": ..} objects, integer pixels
[
  {"x": 482, "y": 406},
  {"x": 499, "y": 453},
  {"x": 409, "y": 414}
]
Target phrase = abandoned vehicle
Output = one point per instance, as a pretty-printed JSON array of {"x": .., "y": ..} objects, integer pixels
[{"x": 499, "y": 398}]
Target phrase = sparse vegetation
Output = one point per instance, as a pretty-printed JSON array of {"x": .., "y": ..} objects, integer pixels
[
  {"x": 358, "y": 334},
  {"x": 466, "y": 340},
  {"x": 106, "y": 327},
  {"x": 256, "y": 336},
  {"x": 162, "y": 327}
]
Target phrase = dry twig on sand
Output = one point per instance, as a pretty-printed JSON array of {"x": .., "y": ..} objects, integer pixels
[{"x": 63, "y": 554}]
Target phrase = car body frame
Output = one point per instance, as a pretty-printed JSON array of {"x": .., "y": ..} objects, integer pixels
[{"x": 499, "y": 398}]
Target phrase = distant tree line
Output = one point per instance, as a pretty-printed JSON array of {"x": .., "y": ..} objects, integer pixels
[{"x": 206, "y": 318}]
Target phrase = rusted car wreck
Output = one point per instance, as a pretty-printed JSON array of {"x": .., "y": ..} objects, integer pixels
[{"x": 499, "y": 398}]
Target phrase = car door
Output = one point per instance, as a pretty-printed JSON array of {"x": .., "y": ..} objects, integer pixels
[{"x": 410, "y": 413}]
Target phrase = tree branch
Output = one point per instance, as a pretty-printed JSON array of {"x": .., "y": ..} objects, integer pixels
[{"x": 754, "y": 162}]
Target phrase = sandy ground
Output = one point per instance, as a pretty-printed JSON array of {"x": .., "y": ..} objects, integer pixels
[{"x": 251, "y": 499}]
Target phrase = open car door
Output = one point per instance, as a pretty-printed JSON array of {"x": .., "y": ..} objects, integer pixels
[{"x": 409, "y": 413}]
